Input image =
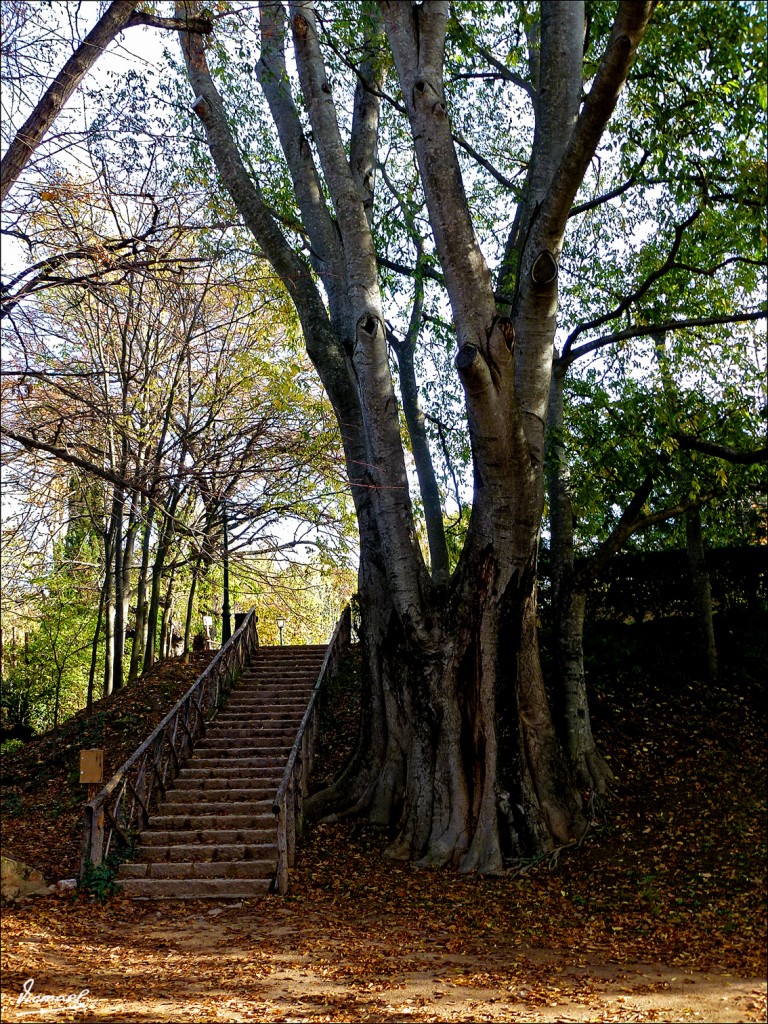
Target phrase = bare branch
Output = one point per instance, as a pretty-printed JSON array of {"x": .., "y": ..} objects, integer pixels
[
  {"x": 647, "y": 330},
  {"x": 641, "y": 289}
]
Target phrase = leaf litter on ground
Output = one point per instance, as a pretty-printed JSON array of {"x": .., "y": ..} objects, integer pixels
[{"x": 658, "y": 916}]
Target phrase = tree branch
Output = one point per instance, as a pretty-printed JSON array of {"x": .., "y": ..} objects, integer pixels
[
  {"x": 32, "y": 132},
  {"x": 201, "y": 25},
  {"x": 720, "y": 451},
  {"x": 63, "y": 455},
  {"x": 647, "y": 330},
  {"x": 641, "y": 289},
  {"x": 628, "y": 30}
]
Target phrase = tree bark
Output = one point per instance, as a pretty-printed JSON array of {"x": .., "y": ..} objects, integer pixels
[
  {"x": 109, "y": 607},
  {"x": 191, "y": 602},
  {"x": 118, "y": 602},
  {"x": 94, "y": 653}
]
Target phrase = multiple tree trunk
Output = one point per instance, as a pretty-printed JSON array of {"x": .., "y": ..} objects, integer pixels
[{"x": 458, "y": 748}]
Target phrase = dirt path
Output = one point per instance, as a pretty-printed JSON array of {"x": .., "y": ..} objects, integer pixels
[{"x": 158, "y": 962}]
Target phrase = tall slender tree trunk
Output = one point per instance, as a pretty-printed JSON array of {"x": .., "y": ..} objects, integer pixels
[
  {"x": 702, "y": 591},
  {"x": 568, "y": 604},
  {"x": 140, "y": 639},
  {"x": 166, "y": 620},
  {"x": 123, "y": 593},
  {"x": 109, "y": 608},
  {"x": 153, "y": 612},
  {"x": 191, "y": 602},
  {"x": 95, "y": 652},
  {"x": 118, "y": 603}
]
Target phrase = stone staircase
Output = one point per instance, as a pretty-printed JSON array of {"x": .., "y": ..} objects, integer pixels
[{"x": 215, "y": 834}]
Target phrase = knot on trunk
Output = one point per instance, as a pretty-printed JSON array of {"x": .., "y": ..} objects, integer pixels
[
  {"x": 544, "y": 269},
  {"x": 300, "y": 26},
  {"x": 466, "y": 357},
  {"x": 200, "y": 107},
  {"x": 368, "y": 324}
]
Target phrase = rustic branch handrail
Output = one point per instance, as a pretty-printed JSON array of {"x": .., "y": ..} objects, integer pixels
[
  {"x": 157, "y": 761},
  {"x": 289, "y": 799}
]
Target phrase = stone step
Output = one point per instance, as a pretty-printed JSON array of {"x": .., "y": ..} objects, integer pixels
[
  {"x": 228, "y": 737},
  {"x": 206, "y": 783},
  {"x": 275, "y": 751},
  {"x": 199, "y": 869},
  {"x": 290, "y": 671},
  {"x": 194, "y": 888},
  {"x": 227, "y": 755},
  {"x": 199, "y": 822},
  {"x": 258, "y": 695},
  {"x": 255, "y": 704},
  {"x": 244, "y": 728},
  {"x": 283, "y": 675},
  {"x": 262, "y": 730},
  {"x": 174, "y": 806},
  {"x": 226, "y": 771},
  {"x": 277, "y": 726},
  {"x": 208, "y": 838},
  {"x": 272, "y": 716},
  {"x": 188, "y": 852},
  {"x": 241, "y": 761},
  {"x": 201, "y": 798}
]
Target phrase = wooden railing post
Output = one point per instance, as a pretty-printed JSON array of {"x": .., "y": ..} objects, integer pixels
[{"x": 281, "y": 879}]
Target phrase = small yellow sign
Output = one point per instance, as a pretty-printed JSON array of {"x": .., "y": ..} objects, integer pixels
[{"x": 91, "y": 766}]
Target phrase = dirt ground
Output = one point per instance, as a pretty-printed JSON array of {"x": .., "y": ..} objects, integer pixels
[{"x": 69, "y": 959}]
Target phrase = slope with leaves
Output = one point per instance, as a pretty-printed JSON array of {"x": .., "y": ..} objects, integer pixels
[{"x": 42, "y": 796}]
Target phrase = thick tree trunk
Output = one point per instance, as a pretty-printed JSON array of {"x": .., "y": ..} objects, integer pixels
[
  {"x": 457, "y": 746},
  {"x": 702, "y": 592}
]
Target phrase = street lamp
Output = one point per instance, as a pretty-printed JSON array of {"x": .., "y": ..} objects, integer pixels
[
  {"x": 281, "y": 627},
  {"x": 208, "y": 626}
]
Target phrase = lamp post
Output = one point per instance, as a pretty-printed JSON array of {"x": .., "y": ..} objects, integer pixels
[
  {"x": 207, "y": 626},
  {"x": 281, "y": 627}
]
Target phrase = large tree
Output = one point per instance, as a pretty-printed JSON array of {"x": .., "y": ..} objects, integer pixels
[{"x": 458, "y": 745}]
